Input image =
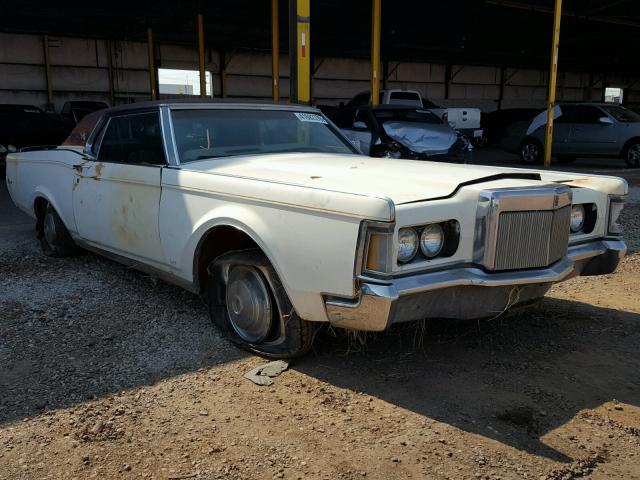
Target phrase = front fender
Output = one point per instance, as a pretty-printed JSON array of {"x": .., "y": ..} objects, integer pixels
[{"x": 313, "y": 252}]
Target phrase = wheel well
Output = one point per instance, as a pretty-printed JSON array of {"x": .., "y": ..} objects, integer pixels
[
  {"x": 218, "y": 241},
  {"x": 629, "y": 142},
  {"x": 40, "y": 208}
]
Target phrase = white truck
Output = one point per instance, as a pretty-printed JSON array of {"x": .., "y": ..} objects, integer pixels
[{"x": 464, "y": 120}]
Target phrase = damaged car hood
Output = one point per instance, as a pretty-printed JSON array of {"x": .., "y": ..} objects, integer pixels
[
  {"x": 402, "y": 181},
  {"x": 430, "y": 139}
]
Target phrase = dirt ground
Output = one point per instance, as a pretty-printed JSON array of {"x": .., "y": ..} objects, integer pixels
[{"x": 108, "y": 373}]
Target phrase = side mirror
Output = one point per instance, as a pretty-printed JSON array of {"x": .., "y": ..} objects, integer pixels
[
  {"x": 359, "y": 125},
  {"x": 605, "y": 121},
  {"x": 11, "y": 148}
]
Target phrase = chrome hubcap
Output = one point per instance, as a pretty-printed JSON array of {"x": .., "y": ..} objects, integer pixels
[
  {"x": 49, "y": 229},
  {"x": 634, "y": 155},
  {"x": 249, "y": 304},
  {"x": 530, "y": 153}
]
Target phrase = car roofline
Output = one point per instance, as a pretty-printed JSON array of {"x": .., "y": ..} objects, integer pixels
[{"x": 199, "y": 105}]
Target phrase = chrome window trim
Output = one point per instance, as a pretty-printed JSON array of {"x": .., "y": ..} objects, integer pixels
[{"x": 168, "y": 136}]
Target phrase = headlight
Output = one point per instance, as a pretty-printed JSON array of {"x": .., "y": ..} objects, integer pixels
[
  {"x": 432, "y": 240},
  {"x": 616, "y": 205},
  {"x": 577, "y": 218},
  {"x": 408, "y": 244}
]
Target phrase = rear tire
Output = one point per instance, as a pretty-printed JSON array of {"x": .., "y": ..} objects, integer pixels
[
  {"x": 631, "y": 154},
  {"x": 531, "y": 152},
  {"x": 55, "y": 239},
  {"x": 249, "y": 305}
]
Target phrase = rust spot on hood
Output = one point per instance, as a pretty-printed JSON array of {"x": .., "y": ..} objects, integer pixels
[{"x": 99, "y": 168}]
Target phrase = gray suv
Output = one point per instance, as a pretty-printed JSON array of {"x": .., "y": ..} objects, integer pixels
[{"x": 582, "y": 130}]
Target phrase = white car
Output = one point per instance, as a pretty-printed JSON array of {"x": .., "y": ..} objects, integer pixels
[{"x": 271, "y": 214}]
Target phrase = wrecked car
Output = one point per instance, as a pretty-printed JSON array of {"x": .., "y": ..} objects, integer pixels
[
  {"x": 271, "y": 214},
  {"x": 395, "y": 131}
]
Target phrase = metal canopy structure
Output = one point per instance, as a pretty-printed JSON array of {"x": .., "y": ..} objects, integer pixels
[{"x": 597, "y": 35}]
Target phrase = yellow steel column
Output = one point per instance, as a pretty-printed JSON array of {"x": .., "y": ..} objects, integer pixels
[
  {"x": 275, "y": 51},
  {"x": 47, "y": 72},
  {"x": 376, "y": 12},
  {"x": 304, "y": 50},
  {"x": 553, "y": 77},
  {"x": 152, "y": 65},
  {"x": 203, "y": 78}
]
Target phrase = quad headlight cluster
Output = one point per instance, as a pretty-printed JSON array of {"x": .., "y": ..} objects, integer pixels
[{"x": 431, "y": 241}]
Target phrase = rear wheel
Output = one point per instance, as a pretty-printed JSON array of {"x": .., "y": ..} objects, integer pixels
[
  {"x": 55, "y": 239},
  {"x": 250, "y": 306},
  {"x": 531, "y": 152},
  {"x": 631, "y": 154}
]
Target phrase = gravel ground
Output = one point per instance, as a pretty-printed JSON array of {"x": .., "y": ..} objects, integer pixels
[{"x": 107, "y": 373}]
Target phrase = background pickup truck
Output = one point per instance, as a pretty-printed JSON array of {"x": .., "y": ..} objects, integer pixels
[{"x": 464, "y": 120}]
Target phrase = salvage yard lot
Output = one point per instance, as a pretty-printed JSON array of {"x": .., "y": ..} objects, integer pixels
[{"x": 108, "y": 373}]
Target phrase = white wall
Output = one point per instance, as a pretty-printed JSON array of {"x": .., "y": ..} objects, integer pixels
[{"x": 79, "y": 71}]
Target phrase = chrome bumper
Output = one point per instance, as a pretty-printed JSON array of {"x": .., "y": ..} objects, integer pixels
[{"x": 462, "y": 293}]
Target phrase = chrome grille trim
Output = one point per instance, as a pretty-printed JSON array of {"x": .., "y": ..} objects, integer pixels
[
  {"x": 531, "y": 239},
  {"x": 522, "y": 228}
]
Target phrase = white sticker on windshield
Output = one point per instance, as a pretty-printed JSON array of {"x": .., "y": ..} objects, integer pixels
[{"x": 310, "y": 117}]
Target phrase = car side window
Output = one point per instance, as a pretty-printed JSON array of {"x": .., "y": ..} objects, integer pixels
[
  {"x": 361, "y": 121},
  {"x": 134, "y": 139},
  {"x": 588, "y": 114}
]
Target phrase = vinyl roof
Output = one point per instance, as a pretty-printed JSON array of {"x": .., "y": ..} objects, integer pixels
[{"x": 598, "y": 36}]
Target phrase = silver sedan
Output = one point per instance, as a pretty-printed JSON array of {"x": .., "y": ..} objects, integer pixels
[{"x": 580, "y": 130}]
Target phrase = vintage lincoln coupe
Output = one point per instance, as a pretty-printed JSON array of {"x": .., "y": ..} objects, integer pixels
[{"x": 273, "y": 215}]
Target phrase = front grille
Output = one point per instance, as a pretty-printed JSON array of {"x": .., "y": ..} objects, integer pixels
[{"x": 531, "y": 239}]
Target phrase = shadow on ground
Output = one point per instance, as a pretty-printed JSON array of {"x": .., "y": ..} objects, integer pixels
[
  {"x": 512, "y": 379},
  {"x": 79, "y": 328}
]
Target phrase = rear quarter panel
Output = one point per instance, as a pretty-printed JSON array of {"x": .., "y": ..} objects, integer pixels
[{"x": 47, "y": 174}]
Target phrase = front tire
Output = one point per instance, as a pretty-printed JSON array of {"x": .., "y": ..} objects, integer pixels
[
  {"x": 531, "y": 152},
  {"x": 249, "y": 305},
  {"x": 55, "y": 239},
  {"x": 631, "y": 154}
]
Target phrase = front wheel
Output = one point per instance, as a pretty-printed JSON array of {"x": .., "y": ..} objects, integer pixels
[
  {"x": 531, "y": 152},
  {"x": 631, "y": 155},
  {"x": 248, "y": 303}
]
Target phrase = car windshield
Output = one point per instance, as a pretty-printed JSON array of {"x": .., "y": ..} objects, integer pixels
[
  {"x": 621, "y": 114},
  {"x": 212, "y": 133},
  {"x": 406, "y": 115}
]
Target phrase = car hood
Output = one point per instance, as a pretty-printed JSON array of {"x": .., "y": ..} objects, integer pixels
[
  {"x": 402, "y": 181},
  {"x": 423, "y": 138}
]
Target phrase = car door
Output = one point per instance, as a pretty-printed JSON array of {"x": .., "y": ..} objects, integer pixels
[
  {"x": 360, "y": 132},
  {"x": 589, "y": 135},
  {"x": 116, "y": 194},
  {"x": 562, "y": 129}
]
